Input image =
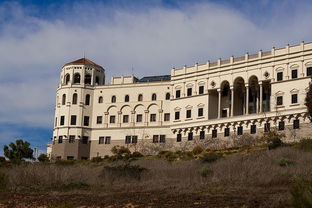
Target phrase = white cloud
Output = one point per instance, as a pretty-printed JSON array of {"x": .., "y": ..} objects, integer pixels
[{"x": 32, "y": 50}]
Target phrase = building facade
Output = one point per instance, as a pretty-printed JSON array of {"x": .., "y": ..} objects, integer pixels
[{"x": 201, "y": 103}]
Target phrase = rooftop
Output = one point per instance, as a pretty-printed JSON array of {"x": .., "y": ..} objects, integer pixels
[
  {"x": 83, "y": 61},
  {"x": 155, "y": 78}
]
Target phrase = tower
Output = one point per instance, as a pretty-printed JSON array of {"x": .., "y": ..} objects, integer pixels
[{"x": 73, "y": 110}]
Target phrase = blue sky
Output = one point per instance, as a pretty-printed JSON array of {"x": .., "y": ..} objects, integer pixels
[{"x": 38, "y": 36}]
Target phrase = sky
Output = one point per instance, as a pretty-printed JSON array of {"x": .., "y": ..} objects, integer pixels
[{"x": 149, "y": 36}]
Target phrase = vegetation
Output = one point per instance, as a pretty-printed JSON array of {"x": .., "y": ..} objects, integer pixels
[
  {"x": 308, "y": 101},
  {"x": 43, "y": 158},
  {"x": 18, "y": 151},
  {"x": 273, "y": 138},
  {"x": 301, "y": 192}
]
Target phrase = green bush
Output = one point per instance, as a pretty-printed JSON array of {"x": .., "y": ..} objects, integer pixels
[
  {"x": 3, "y": 181},
  {"x": 125, "y": 171},
  {"x": 97, "y": 159},
  {"x": 136, "y": 155},
  {"x": 205, "y": 172},
  {"x": 273, "y": 138},
  {"x": 209, "y": 157},
  {"x": 197, "y": 150},
  {"x": 43, "y": 158},
  {"x": 283, "y": 162},
  {"x": 121, "y": 152},
  {"x": 301, "y": 193},
  {"x": 305, "y": 144}
]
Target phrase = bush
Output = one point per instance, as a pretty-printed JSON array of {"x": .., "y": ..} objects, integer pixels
[
  {"x": 205, "y": 172},
  {"x": 305, "y": 144},
  {"x": 125, "y": 171},
  {"x": 43, "y": 158},
  {"x": 283, "y": 162},
  {"x": 2, "y": 159},
  {"x": 121, "y": 152},
  {"x": 197, "y": 150},
  {"x": 3, "y": 181},
  {"x": 209, "y": 157},
  {"x": 301, "y": 192},
  {"x": 136, "y": 155},
  {"x": 273, "y": 139},
  {"x": 97, "y": 159}
]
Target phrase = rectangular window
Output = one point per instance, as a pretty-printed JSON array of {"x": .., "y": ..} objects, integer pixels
[
  {"x": 62, "y": 121},
  {"x": 309, "y": 71},
  {"x": 279, "y": 76},
  {"x": 240, "y": 130},
  {"x": 71, "y": 139},
  {"x": 267, "y": 127},
  {"x": 202, "y": 135},
  {"x": 85, "y": 140},
  {"x": 139, "y": 118},
  {"x": 99, "y": 119},
  {"x": 177, "y": 115},
  {"x": 226, "y": 132},
  {"x": 134, "y": 139},
  {"x": 294, "y": 98},
  {"x": 296, "y": 124},
  {"x": 125, "y": 118},
  {"x": 155, "y": 138},
  {"x": 294, "y": 74},
  {"x": 190, "y": 136},
  {"x": 152, "y": 117},
  {"x": 224, "y": 113},
  {"x": 214, "y": 133},
  {"x": 70, "y": 157},
  {"x": 112, "y": 119},
  {"x": 189, "y": 91},
  {"x": 73, "y": 120},
  {"x": 200, "y": 112},
  {"x": 86, "y": 121},
  {"x": 279, "y": 100},
  {"x": 60, "y": 139},
  {"x": 281, "y": 125},
  {"x": 128, "y": 140},
  {"x": 162, "y": 138},
  {"x": 107, "y": 140},
  {"x": 188, "y": 113},
  {"x": 167, "y": 117},
  {"x": 179, "y": 137},
  {"x": 201, "y": 90},
  {"x": 55, "y": 124},
  {"x": 178, "y": 93},
  {"x": 253, "y": 129},
  {"x": 101, "y": 140}
]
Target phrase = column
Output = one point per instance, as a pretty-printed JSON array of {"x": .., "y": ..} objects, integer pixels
[
  {"x": 232, "y": 101},
  {"x": 208, "y": 104},
  {"x": 261, "y": 99},
  {"x": 160, "y": 119},
  {"x": 247, "y": 99},
  {"x": 132, "y": 119},
  {"x": 257, "y": 102},
  {"x": 146, "y": 117},
  {"x": 106, "y": 119},
  {"x": 119, "y": 118},
  {"x": 219, "y": 103}
]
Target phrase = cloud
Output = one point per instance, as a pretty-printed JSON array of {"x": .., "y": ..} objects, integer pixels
[{"x": 150, "y": 39}]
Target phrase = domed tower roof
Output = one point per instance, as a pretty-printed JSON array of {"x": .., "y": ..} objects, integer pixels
[{"x": 83, "y": 61}]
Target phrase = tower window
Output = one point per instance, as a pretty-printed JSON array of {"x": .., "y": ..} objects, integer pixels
[
  {"x": 87, "y": 99},
  {"x": 62, "y": 121},
  {"x": 86, "y": 121},
  {"x": 294, "y": 74},
  {"x": 154, "y": 97},
  {"x": 73, "y": 120},
  {"x": 75, "y": 98},
  {"x": 294, "y": 98},
  {"x": 113, "y": 99},
  {"x": 201, "y": 90},
  {"x": 60, "y": 139},
  {"x": 67, "y": 79},
  {"x": 140, "y": 97},
  {"x": 77, "y": 78},
  {"x": 167, "y": 96},
  {"x": 189, "y": 91},
  {"x": 279, "y": 76},
  {"x": 100, "y": 99},
  {"x": 178, "y": 93},
  {"x": 127, "y": 98},
  {"x": 88, "y": 79},
  {"x": 97, "y": 80},
  {"x": 64, "y": 99}
]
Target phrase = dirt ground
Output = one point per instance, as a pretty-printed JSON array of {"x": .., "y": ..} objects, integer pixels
[{"x": 253, "y": 198}]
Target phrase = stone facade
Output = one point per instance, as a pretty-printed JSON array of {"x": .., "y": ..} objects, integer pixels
[{"x": 201, "y": 103}]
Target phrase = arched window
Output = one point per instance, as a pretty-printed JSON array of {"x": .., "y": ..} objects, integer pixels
[
  {"x": 87, "y": 99},
  {"x": 64, "y": 99},
  {"x": 88, "y": 79},
  {"x": 97, "y": 80},
  {"x": 100, "y": 99},
  {"x": 67, "y": 79},
  {"x": 77, "y": 78},
  {"x": 75, "y": 98},
  {"x": 113, "y": 99},
  {"x": 140, "y": 97},
  {"x": 127, "y": 98},
  {"x": 154, "y": 97},
  {"x": 167, "y": 96}
]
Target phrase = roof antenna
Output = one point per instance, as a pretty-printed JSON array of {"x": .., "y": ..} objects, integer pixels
[{"x": 132, "y": 69}]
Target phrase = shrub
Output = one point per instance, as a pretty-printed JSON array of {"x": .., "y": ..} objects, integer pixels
[
  {"x": 246, "y": 140},
  {"x": 2, "y": 159},
  {"x": 125, "y": 171},
  {"x": 136, "y": 155},
  {"x": 43, "y": 158},
  {"x": 305, "y": 144},
  {"x": 205, "y": 172},
  {"x": 308, "y": 101},
  {"x": 301, "y": 192},
  {"x": 3, "y": 181},
  {"x": 284, "y": 162},
  {"x": 209, "y": 157},
  {"x": 273, "y": 139},
  {"x": 97, "y": 159},
  {"x": 121, "y": 152},
  {"x": 197, "y": 150}
]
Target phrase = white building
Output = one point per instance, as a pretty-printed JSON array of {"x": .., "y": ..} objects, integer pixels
[{"x": 210, "y": 101}]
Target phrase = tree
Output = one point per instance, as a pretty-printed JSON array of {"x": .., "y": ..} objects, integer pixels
[
  {"x": 43, "y": 158},
  {"x": 308, "y": 101},
  {"x": 18, "y": 151}
]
